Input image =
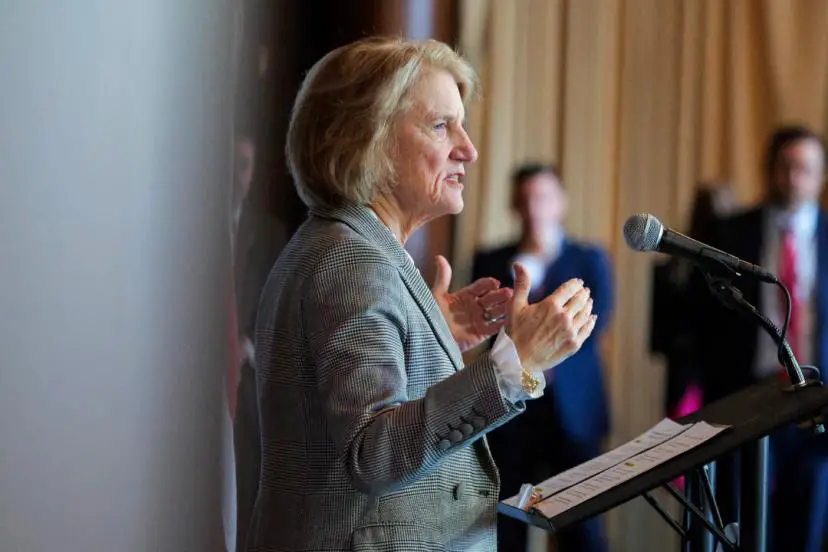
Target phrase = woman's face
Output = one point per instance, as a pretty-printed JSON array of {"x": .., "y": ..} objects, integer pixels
[{"x": 432, "y": 148}]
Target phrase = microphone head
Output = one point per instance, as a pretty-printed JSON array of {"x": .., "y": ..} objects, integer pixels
[{"x": 643, "y": 232}]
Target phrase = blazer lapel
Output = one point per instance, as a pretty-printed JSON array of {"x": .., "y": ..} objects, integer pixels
[
  {"x": 424, "y": 298},
  {"x": 754, "y": 236},
  {"x": 559, "y": 270},
  {"x": 749, "y": 245},
  {"x": 363, "y": 221}
]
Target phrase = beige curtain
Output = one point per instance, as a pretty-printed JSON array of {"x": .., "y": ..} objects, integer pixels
[{"x": 637, "y": 100}]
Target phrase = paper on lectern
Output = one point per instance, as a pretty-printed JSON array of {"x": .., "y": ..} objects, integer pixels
[
  {"x": 656, "y": 435},
  {"x": 690, "y": 437}
]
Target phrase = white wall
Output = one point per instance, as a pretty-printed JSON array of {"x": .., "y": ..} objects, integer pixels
[{"x": 114, "y": 160}]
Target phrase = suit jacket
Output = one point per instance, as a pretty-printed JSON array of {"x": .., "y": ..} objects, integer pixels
[
  {"x": 372, "y": 429},
  {"x": 673, "y": 334},
  {"x": 577, "y": 386},
  {"x": 729, "y": 340}
]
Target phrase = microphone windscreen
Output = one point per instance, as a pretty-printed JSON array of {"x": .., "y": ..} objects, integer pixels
[{"x": 643, "y": 232}]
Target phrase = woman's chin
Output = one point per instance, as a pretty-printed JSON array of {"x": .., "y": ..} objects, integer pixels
[
  {"x": 454, "y": 198},
  {"x": 454, "y": 205},
  {"x": 450, "y": 202}
]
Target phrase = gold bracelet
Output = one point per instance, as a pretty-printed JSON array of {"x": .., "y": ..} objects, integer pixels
[{"x": 529, "y": 382}]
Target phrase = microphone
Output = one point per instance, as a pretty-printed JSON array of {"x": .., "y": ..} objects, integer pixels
[{"x": 644, "y": 232}]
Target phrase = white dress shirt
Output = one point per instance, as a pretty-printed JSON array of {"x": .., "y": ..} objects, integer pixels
[
  {"x": 537, "y": 264},
  {"x": 804, "y": 226}
]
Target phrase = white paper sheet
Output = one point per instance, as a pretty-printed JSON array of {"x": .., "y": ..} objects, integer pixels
[
  {"x": 657, "y": 434},
  {"x": 692, "y": 437}
]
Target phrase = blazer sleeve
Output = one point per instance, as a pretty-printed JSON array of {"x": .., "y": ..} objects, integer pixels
[{"x": 355, "y": 322}]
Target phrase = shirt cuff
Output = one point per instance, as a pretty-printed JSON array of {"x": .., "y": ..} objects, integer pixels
[{"x": 508, "y": 371}]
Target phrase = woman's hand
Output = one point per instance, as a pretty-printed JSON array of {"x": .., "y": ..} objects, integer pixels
[
  {"x": 473, "y": 313},
  {"x": 550, "y": 331}
]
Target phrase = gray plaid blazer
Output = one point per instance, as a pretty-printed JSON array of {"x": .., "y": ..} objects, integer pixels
[{"x": 372, "y": 428}]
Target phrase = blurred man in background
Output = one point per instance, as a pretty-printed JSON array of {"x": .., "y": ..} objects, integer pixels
[
  {"x": 672, "y": 334},
  {"x": 788, "y": 234},
  {"x": 566, "y": 426}
]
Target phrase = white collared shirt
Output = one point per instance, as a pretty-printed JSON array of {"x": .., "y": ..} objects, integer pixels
[
  {"x": 537, "y": 264},
  {"x": 804, "y": 226}
]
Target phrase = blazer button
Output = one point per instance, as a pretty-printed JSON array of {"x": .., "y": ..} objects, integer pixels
[
  {"x": 478, "y": 423},
  {"x": 458, "y": 491},
  {"x": 466, "y": 429},
  {"x": 455, "y": 436},
  {"x": 445, "y": 444}
]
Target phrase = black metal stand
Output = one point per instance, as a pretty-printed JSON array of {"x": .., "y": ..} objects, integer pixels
[
  {"x": 695, "y": 529},
  {"x": 754, "y": 491},
  {"x": 708, "y": 482},
  {"x": 754, "y": 469},
  {"x": 701, "y": 527}
]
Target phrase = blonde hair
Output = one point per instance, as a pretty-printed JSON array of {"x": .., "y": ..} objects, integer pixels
[{"x": 340, "y": 133}]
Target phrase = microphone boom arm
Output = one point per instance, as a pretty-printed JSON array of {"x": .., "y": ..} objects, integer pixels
[{"x": 721, "y": 286}]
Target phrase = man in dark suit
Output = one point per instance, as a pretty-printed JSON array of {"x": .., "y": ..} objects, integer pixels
[
  {"x": 566, "y": 426},
  {"x": 788, "y": 234},
  {"x": 674, "y": 336}
]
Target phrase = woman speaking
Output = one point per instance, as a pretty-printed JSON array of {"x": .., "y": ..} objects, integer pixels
[{"x": 372, "y": 427}]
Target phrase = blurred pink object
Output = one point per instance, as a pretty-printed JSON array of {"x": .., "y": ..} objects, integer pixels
[{"x": 690, "y": 402}]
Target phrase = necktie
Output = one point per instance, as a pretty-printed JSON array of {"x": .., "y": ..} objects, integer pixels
[{"x": 788, "y": 277}]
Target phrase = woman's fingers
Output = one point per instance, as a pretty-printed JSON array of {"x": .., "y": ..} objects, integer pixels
[
  {"x": 492, "y": 299},
  {"x": 586, "y": 329},
  {"x": 582, "y": 316},
  {"x": 577, "y": 302},
  {"x": 566, "y": 291}
]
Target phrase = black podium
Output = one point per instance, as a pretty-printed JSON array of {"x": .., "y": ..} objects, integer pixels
[{"x": 753, "y": 414}]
